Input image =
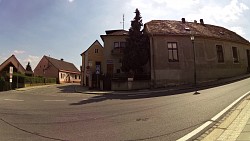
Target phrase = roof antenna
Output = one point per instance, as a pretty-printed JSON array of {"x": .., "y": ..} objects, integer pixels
[{"x": 123, "y": 21}]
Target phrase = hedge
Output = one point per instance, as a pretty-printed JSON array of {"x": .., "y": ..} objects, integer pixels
[{"x": 20, "y": 80}]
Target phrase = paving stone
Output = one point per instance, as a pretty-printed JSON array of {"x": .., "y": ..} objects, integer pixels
[{"x": 244, "y": 136}]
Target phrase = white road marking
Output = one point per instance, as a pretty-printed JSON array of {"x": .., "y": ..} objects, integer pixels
[
  {"x": 205, "y": 125},
  {"x": 13, "y": 100},
  {"x": 56, "y": 100}
]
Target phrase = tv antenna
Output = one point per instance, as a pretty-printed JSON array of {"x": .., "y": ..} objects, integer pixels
[{"x": 123, "y": 21}]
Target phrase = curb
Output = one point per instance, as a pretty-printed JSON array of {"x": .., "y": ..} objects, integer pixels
[{"x": 204, "y": 127}]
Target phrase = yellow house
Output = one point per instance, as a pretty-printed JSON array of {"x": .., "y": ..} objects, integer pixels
[{"x": 92, "y": 65}]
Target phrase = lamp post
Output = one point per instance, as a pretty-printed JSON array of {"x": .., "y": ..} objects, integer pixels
[{"x": 192, "y": 39}]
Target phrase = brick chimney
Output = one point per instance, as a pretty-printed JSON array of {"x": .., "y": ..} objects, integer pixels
[
  {"x": 183, "y": 20},
  {"x": 202, "y": 21}
]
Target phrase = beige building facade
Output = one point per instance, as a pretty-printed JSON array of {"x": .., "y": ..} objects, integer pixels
[
  {"x": 114, "y": 43},
  {"x": 219, "y": 52},
  {"x": 92, "y": 63}
]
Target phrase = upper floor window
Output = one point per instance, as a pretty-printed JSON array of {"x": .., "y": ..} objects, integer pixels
[
  {"x": 220, "y": 54},
  {"x": 119, "y": 44},
  {"x": 96, "y": 50},
  {"x": 173, "y": 52},
  {"x": 116, "y": 44},
  {"x": 235, "y": 55},
  {"x": 122, "y": 44}
]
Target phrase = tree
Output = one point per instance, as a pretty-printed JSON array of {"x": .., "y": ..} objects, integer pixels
[
  {"x": 29, "y": 71},
  {"x": 28, "y": 67},
  {"x": 136, "y": 52}
]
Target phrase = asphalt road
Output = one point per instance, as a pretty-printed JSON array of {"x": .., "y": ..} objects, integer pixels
[{"x": 58, "y": 113}]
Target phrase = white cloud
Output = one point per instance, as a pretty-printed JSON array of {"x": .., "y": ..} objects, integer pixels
[
  {"x": 71, "y": 1},
  {"x": 215, "y": 13},
  {"x": 18, "y": 52},
  {"x": 238, "y": 30}
]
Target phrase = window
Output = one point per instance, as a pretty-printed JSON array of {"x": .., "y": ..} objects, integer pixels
[
  {"x": 116, "y": 44},
  {"x": 122, "y": 44},
  {"x": 173, "y": 52},
  {"x": 118, "y": 71},
  {"x": 61, "y": 75},
  {"x": 220, "y": 55},
  {"x": 235, "y": 55},
  {"x": 75, "y": 76},
  {"x": 96, "y": 50},
  {"x": 79, "y": 77}
]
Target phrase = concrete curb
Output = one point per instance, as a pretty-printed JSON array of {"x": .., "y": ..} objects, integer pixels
[{"x": 204, "y": 127}]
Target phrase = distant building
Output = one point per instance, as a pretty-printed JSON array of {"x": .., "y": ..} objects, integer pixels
[
  {"x": 219, "y": 52},
  {"x": 11, "y": 62},
  {"x": 63, "y": 71},
  {"x": 92, "y": 64}
]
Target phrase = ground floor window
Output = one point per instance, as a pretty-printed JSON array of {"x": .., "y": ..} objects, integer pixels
[{"x": 235, "y": 55}]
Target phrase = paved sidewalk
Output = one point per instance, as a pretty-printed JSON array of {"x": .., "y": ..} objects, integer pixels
[{"x": 235, "y": 126}]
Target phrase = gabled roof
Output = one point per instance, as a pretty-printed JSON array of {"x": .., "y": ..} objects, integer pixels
[
  {"x": 96, "y": 41},
  {"x": 12, "y": 59},
  {"x": 62, "y": 65},
  {"x": 170, "y": 27}
]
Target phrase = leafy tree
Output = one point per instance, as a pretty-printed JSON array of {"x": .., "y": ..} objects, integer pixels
[{"x": 136, "y": 52}]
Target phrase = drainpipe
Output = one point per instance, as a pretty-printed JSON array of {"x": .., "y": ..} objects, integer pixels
[{"x": 152, "y": 60}]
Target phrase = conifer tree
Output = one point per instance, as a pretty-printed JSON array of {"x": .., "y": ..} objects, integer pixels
[{"x": 136, "y": 52}]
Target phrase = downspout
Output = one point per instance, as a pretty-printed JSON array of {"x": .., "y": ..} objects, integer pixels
[{"x": 152, "y": 61}]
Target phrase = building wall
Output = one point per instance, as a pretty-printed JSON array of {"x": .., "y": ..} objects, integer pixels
[
  {"x": 46, "y": 69},
  {"x": 66, "y": 77},
  {"x": 112, "y": 56},
  {"x": 89, "y": 58},
  {"x": 207, "y": 66}
]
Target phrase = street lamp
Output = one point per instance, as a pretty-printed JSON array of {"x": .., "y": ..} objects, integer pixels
[{"x": 192, "y": 39}]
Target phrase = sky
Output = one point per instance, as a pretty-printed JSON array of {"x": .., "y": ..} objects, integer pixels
[{"x": 30, "y": 29}]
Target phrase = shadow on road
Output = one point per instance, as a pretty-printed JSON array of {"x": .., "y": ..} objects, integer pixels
[
  {"x": 67, "y": 88},
  {"x": 141, "y": 95},
  {"x": 164, "y": 92}
]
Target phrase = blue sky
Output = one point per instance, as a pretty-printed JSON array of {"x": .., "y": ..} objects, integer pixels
[{"x": 65, "y": 28}]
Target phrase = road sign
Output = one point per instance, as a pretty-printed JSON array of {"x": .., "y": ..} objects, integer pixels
[
  {"x": 98, "y": 68},
  {"x": 11, "y": 70}
]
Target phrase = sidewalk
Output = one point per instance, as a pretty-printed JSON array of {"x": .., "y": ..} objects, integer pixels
[
  {"x": 203, "y": 85},
  {"x": 235, "y": 126}
]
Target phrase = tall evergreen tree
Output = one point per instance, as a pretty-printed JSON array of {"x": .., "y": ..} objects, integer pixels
[
  {"x": 28, "y": 67},
  {"x": 136, "y": 52}
]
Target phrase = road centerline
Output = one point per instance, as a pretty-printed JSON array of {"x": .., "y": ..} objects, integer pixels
[{"x": 18, "y": 100}]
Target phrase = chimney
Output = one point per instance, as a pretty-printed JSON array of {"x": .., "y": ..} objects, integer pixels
[
  {"x": 195, "y": 21},
  {"x": 61, "y": 59},
  {"x": 201, "y": 21},
  {"x": 183, "y": 20}
]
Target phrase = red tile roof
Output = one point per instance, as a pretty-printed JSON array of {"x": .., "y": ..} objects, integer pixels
[
  {"x": 63, "y": 65},
  {"x": 170, "y": 27}
]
